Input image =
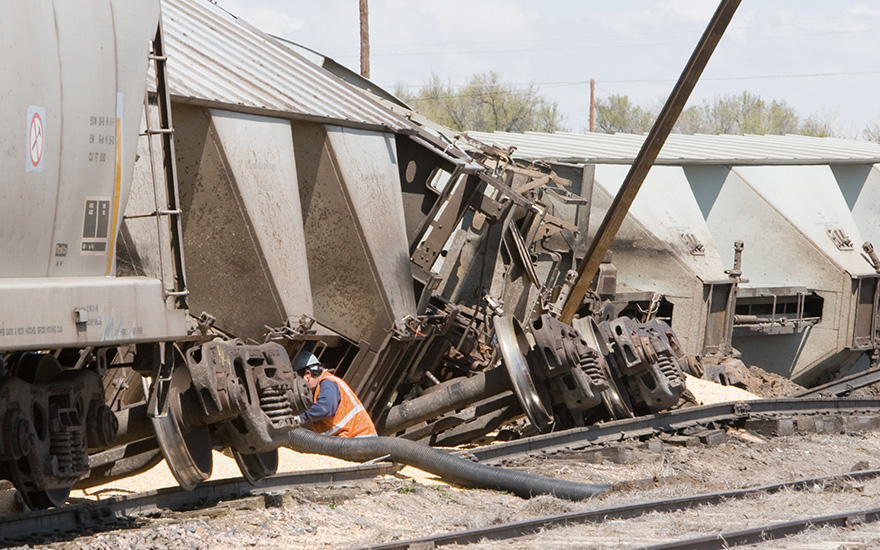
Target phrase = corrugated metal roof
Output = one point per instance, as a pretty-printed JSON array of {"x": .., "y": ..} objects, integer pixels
[
  {"x": 686, "y": 149},
  {"x": 215, "y": 58}
]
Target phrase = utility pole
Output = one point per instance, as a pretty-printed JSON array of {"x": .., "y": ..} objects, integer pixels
[
  {"x": 365, "y": 40},
  {"x": 592, "y": 103}
]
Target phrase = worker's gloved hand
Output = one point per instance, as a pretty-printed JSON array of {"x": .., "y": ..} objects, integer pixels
[{"x": 298, "y": 421}]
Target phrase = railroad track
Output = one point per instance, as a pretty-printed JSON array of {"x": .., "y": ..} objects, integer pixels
[
  {"x": 722, "y": 541},
  {"x": 844, "y": 386},
  {"x": 102, "y": 514},
  {"x": 776, "y": 531},
  {"x": 772, "y": 417},
  {"x": 767, "y": 416}
]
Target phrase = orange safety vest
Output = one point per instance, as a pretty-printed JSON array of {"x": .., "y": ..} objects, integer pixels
[{"x": 351, "y": 419}]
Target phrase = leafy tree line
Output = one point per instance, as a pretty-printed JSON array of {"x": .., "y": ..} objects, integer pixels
[
  {"x": 488, "y": 104},
  {"x": 743, "y": 113},
  {"x": 484, "y": 104}
]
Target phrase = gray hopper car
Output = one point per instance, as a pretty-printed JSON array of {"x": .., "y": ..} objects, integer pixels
[{"x": 429, "y": 278}]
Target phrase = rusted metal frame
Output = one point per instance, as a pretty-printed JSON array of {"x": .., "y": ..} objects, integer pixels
[
  {"x": 404, "y": 355},
  {"x": 487, "y": 149},
  {"x": 535, "y": 183},
  {"x": 457, "y": 198},
  {"x": 538, "y": 178},
  {"x": 772, "y": 325},
  {"x": 170, "y": 166},
  {"x": 391, "y": 364},
  {"x": 463, "y": 164},
  {"x": 498, "y": 408},
  {"x": 452, "y": 395},
  {"x": 121, "y": 461},
  {"x": 646, "y": 156},
  {"x": 565, "y": 196},
  {"x": 517, "y": 248},
  {"x": 535, "y": 173},
  {"x": 356, "y": 373},
  {"x": 482, "y": 418},
  {"x": 722, "y": 346},
  {"x": 869, "y": 340},
  {"x": 875, "y": 322},
  {"x": 729, "y": 312},
  {"x": 550, "y": 221},
  {"x": 538, "y": 221},
  {"x": 447, "y": 151},
  {"x": 506, "y": 191}
]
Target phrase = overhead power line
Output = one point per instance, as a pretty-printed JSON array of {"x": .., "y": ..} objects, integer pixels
[
  {"x": 523, "y": 87},
  {"x": 749, "y": 77},
  {"x": 651, "y": 33},
  {"x": 600, "y": 46}
]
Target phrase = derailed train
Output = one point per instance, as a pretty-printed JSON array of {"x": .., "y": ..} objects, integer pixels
[{"x": 430, "y": 278}]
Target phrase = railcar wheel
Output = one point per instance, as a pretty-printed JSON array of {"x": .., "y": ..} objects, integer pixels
[
  {"x": 514, "y": 347},
  {"x": 617, "y": 404},
  {"x": 187, "y": 449},
  {"x": 41, "y": 500},
  {"x": 38, "y": 369},
  {"x": 255, "y": 467}
]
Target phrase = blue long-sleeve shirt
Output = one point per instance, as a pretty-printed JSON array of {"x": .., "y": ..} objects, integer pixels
[{"x": 326, "y": 404}]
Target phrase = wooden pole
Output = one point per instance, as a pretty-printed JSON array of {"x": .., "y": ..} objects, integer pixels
[
  {"x": 365, "y": 40},
  {"x": 589, "y": 265},
  {"x": 592, "y": 104}
]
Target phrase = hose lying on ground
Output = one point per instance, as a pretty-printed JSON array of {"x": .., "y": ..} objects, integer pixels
[{"x": 449, "y": 467}]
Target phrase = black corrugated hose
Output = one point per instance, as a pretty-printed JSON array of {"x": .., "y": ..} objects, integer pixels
[{"x": 449, "y": 467}]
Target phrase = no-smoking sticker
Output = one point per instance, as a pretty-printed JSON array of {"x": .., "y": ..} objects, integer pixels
[{"x": 36, "y": 139}]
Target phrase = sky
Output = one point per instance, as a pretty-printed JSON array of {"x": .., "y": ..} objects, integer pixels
[{"x": 820, "y": 57}]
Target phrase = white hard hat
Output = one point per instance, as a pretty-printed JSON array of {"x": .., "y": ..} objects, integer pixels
[{"x": 305, "y": 360}]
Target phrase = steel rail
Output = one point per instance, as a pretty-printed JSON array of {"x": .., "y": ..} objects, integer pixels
[
  {"x": 724, "y": 541},
  {"x": 618, "y": 430},
  {"x": 845, "y": 385},
  {"x": 86, "y": 515},
  {"x": 628, "y": 511}
]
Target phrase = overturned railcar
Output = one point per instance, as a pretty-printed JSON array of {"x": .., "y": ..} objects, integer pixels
[
  {"x": 220, "y": 203},
  {"x": 785, "y": 217},
  {"x": 348, "y": 226}
]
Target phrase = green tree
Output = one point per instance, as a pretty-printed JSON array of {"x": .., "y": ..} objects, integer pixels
[
  {"x": 618, "y": 114},
  {"x": 817, "y": 126},
  {"x": 485, "y": 104},
  {"x": 872, "y": 130},
  {"x": 692, "y": 120},
  {"x": 747, "y": 113}
]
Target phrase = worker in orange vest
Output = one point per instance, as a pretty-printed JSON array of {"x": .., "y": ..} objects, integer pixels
[{"x": 336, "y": 410}]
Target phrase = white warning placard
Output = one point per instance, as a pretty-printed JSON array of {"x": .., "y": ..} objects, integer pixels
[{"x": 36, "y": 139}]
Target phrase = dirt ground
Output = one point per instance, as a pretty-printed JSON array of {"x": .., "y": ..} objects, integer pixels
[
  {"x": 398, "y": 507},
  {"x": 413, "y": 504}
]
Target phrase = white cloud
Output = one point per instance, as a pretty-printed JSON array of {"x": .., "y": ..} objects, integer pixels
[
  {"x": 863, "y": 9},
  {"x": 268, "y": 19},
  {"x": 448, "y": 22},
  {"x": 694, "y": 11}
]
